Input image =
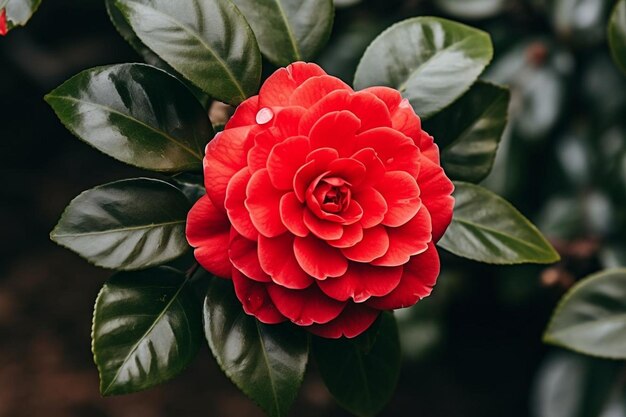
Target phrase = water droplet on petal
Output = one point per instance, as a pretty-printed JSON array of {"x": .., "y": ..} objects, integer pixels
[{"x": 264, "y": 116}]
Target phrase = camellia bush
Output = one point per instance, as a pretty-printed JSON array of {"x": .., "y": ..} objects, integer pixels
[{"x": 314, "y": 208}]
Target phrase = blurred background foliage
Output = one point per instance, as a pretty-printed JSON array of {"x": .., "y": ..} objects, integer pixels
[{"x": 473, "y": 349}]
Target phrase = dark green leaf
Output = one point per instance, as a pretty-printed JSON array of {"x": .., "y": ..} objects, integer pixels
[
  {"x": 617, "y": 34},
  {"x": 266, "y": 362},
  {"x": 137, "y": 114},
  {"x": 591, "y": 317},
  {"x": 469, "y": 131},
  {"x": 472, "y": 9},
  {"x": 289, "y": 30},
  {"x": 19, "y": 12},
  {"x": 432, "y": 61},
  {"x": 129, "y": 224},
  {"x": 146, "y": 329},
  {"x": 362, "y": 381},
  {"x": 209, "y": 42},
  {"x": 487, "y": 228}
]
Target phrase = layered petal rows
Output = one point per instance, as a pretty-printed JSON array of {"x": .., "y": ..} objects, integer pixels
[{"x": 323, "y": 204}]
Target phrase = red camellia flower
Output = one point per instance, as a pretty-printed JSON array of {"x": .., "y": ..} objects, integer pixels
[
  {"x": 323, "y": 204},
  {"x": 3, "y": 22}
]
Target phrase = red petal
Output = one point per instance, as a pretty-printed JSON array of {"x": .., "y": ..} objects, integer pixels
[
  {"x": 428, "y": 147},
  {"x": 285, "y": 160},
  {"x": 361, "y": 282},
  {"x": 352, "y": 234},
  {"x": 366, "y": 107},
  {"x": 375, "y": 244},
  {"x": 292, "y": 215},
  {"x": 408, "y": 240},
  {"x": 287, "y": 121},
  {"x": 278, "y": 260},
  {"x": 244, "y": 256},
  {"x": 3, "y": 22},
  {"x": 402, "y": 195},
  {"x": 234, "y": 204},
  {"x": 348, "y": 169},
  {"x": 305, "y": 307},
  {"x": 335, "y": 130},
  {"x": 317, "y": 164},
  {"x": 374, "y": 168},
  {"x": 208, "y": 230},
  {"x": 245, "y": 115},
  {"x": 395, "y": 150},
  {"x": 373, "y": 204},
  {"x": 314, "y": 89},
  {"x": 256, "y": 300},
  {"x": 263, "y": 204},
  {"x": 323, "y": 229},
  {"x": 417, "y": 282},
  {"x": 225, "y": 156},
  {"x": 318, "y": 259},
  {"x": 403, "y": 117},
  {"x": 354, "y": 320},
  {"x": 436, "y": 190},
  {"x": 278, "y": 88}
]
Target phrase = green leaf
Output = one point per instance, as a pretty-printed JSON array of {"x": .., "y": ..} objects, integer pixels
[
  {"x": 472, "y": 9},
  {"x": 266, "y": 362},
  {"x": 19, "y": 12},
  {"x": 432, "y": 61},
  {"x": 487, "y": 228},
  {"x": 617, "y": 34},
  {"x": 146, "y": 329},
  {"x": 209, "y": 42},
  {"x": 136, "y": 114},
  {"x": 591, "y": 317},
  {"x": 289, "y": 30},
  {"x": 361, "y": 380},
  {"x": 470, "y": 130},
  {"x": 127, "y": 225}
]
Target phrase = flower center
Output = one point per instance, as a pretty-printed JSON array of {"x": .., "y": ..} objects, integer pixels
[{"x": 333, "y": 195}]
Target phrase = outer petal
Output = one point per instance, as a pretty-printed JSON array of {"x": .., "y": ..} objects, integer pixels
[
  {"x": 402, "y": 195},
  {"x": 245, "y": 115},
  {"x": 225, "y": 156},
  {"x": 368, "y": 108},
  {"x": 375, "y": 244},
  {"x": 278, "y": 88},
  {"x": 436, "y": 190},
  {"x": 285, "y": 160},
  {"x": 335, "y": 130},
  {"x": 314, "y": 89},
  {"x": 429, "y": 149},
  {"x": 278, "y": 260},
  {"x": 417, "y": 282},
  {"x": 354, "y": 320},
  {"x": 395, "y": 150},
  {"x": 208, "y": 230},
  {"x": 408, "y": 240},
  {"x": 305, "y": 307},
  {"x": 318, "y": 259},
  {"x": 255, "y": 299},
  {"x": 361, "y": 282},
  {"x": 244, "y": 256},
  {"x": 234, "y": 204},
  {"x": 263, "y": 203}
]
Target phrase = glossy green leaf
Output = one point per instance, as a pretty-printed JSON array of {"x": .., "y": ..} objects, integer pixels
[
  {"x": 617, "y": 34},
  {"x": 591, "y": 317},
  {"x": 470, "y": 130},
  {"x": 487, "y": 228},
  {"x": 361, "y": 380},
  {"x": 289, "y": 30},
  {"x": 207, "y": 41},
  {"x": 472, "y": 9},
  {"x": 136, "y": 114},
  {"x": 146, "y": 329},
  {"x": 266, "y": 362},
  {"x": 19, "y": 12},
  {"x": 128, "y": 224},
  {"x": 432, "y": 61}
]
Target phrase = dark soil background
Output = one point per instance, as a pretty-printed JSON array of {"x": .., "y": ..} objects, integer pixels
[{"x": 484, "y": 367}]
